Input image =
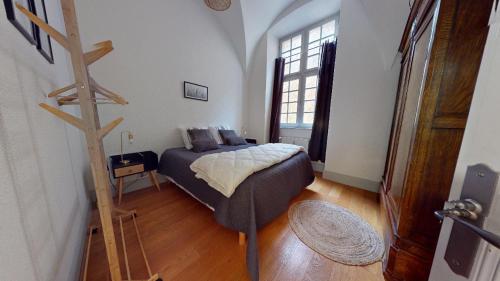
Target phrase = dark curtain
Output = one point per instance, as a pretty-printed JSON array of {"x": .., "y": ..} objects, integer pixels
[
  {"x": 319, "y": 134},
  {"x": 274, "y": 128}
]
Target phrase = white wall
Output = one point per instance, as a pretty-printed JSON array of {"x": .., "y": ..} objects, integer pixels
[
  {"x": 387, "y": 18},
  {"x": 158, "y": 45},
  {"x": 479, "y": 145},
  {"x": 255, "y": 109},
  {"x": 260, "y": 88},
  {"x": 42, "y": 196},
  {"x": 362, "y": 102},
  {"x": 366, "y": 73}
]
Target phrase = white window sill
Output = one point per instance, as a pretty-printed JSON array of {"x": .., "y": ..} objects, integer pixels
[{"x": 296, "y": 127}]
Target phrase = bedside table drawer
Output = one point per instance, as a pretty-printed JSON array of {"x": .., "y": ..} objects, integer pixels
[{"x": 125, "y": 171}]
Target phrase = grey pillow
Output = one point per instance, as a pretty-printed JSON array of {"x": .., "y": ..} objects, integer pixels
[
  {"x": 231, "y": 138},
  {"x": 235, "y": 141},
  {"x": 202, "y": 140}
]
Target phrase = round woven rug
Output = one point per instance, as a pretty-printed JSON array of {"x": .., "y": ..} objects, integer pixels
[{"x": 335, "y": 232}]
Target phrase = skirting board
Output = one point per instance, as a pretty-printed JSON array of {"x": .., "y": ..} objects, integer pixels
[{"x": 361, "y": 183}]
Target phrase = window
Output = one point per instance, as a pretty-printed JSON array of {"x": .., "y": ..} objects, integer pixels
[{"x": 302, "y": 53}]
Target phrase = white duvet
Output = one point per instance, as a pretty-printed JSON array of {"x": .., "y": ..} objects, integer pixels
[{"x": 224, "y": 171}]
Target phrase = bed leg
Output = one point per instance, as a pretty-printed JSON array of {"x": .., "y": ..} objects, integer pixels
[{"x": 242, "y": 238}]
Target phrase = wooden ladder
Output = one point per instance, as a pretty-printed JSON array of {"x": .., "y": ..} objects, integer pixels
[{"x": 87, "y": 93}]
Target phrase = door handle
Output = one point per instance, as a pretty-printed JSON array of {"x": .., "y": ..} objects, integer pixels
[
  {"x": 466, "y": 208},
  {"x": 461, "y": 213},
  {"x": 480, "y": 184},
  {"x": 457, "y": 215}
]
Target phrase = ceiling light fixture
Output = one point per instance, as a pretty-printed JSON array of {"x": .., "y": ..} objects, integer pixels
[{"x": 218, "y": 5}]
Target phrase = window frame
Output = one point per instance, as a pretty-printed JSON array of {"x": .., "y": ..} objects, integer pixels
[{"x": 303, "y": 72}]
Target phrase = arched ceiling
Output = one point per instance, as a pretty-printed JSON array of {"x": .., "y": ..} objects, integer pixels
[
  {"x": 303, "y": 13},
  {"x": 247, "y": 20}
]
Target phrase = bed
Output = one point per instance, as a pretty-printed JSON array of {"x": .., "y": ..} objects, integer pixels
[{"x": 259, "y": 199}]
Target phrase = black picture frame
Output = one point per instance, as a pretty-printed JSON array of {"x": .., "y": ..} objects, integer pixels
[
  {"x": 195, "y": 91},
  {"x": 43, "y": 42},
  {"x": 20, "y": 21}
]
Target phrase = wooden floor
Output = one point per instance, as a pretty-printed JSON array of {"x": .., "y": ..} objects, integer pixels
[{"x": 184, "y": 243}]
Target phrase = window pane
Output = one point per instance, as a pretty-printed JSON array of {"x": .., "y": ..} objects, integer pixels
[
  {"x": 309, "y": 106},
  {"x": 310, "y": 94},
  {"x": 314, "y": 44},
  {"x": 296, "y": 51},
  {"x": 285, "y": 45},
  {"x": 292, "y": 107},
  {"x": 284, "y": 108},
  {"x": 313, "y": 51},
  {"x": 293, "y": 96},
  {"x": 283, "y": 118},
  {"x": 284, "y": 98},
  {"x": 308, "y": 118},
  {"x": 285, "y": 86},
  {"x": 311, "y": 81},
  {"x": 295, "y": 66},
  {"x": 292, "y": 118},
  {"x": 313, "y": 62},
  {"x": 285, "y": 54},
  {"x": 315, "y": 34},
  {"x": 287, "y": 68},
  {"x": 296, "y": 41},
  {"x": 294, "y": 85},
  {"x": 328, "y": 29},
  {"x": 295, "y": 57}
]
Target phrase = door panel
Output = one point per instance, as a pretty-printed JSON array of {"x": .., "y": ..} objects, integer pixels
[
  {"x": 480, "y": 145},
  {"x": 396, "y": 125},
  {"x": 408, "y": 122}
]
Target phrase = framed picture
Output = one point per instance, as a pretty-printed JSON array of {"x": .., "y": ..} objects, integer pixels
[
  {"x": 19, "y": 20},
  {"x": 195, "y": 91},
  {"x": 43, "y": 43}
]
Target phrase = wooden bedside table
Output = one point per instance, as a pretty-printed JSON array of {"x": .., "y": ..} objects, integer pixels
[{"x": 140, "y": 162}]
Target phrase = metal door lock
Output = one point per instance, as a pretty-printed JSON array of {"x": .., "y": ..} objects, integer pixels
[
  {"x": 466, "y": 208},
  {"x": 468, "y": 215},
  {"x": 465, "y": 204},
  {"x": 457, "y": 212}
]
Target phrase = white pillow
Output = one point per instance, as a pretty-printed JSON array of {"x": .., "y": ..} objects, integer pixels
[
  {"x": 185, "y": 137},
  {"x": 214, "y": 131}
]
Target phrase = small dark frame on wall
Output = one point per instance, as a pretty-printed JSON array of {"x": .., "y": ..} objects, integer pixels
[
  {"x": 195, "y": 91},
  {"x": 20, "y": 21},
  {"x": 44, "y": 45},
  {"x": 29, "y": 30}
]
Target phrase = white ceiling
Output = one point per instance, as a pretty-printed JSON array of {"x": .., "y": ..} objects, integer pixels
[
  {"x": 247, "y": 20},
  {"x": 306, "y": 13}
]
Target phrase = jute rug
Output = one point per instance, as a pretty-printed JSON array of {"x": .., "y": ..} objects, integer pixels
[{"x": 335, "y": 232}]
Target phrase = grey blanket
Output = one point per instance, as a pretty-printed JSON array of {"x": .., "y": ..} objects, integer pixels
[{"x": 259, "y": 199}]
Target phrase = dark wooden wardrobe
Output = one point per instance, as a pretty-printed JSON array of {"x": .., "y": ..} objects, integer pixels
[{"x": 441, "y": 48}]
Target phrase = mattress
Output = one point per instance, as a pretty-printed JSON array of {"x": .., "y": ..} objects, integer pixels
[{"x": 259, "y": 199}]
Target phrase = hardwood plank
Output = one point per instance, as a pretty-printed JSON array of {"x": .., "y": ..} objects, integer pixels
[{"x": 184, "y": 242}]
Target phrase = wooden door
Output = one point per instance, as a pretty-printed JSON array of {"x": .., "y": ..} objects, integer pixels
[{"x": 408, "y": 123}]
